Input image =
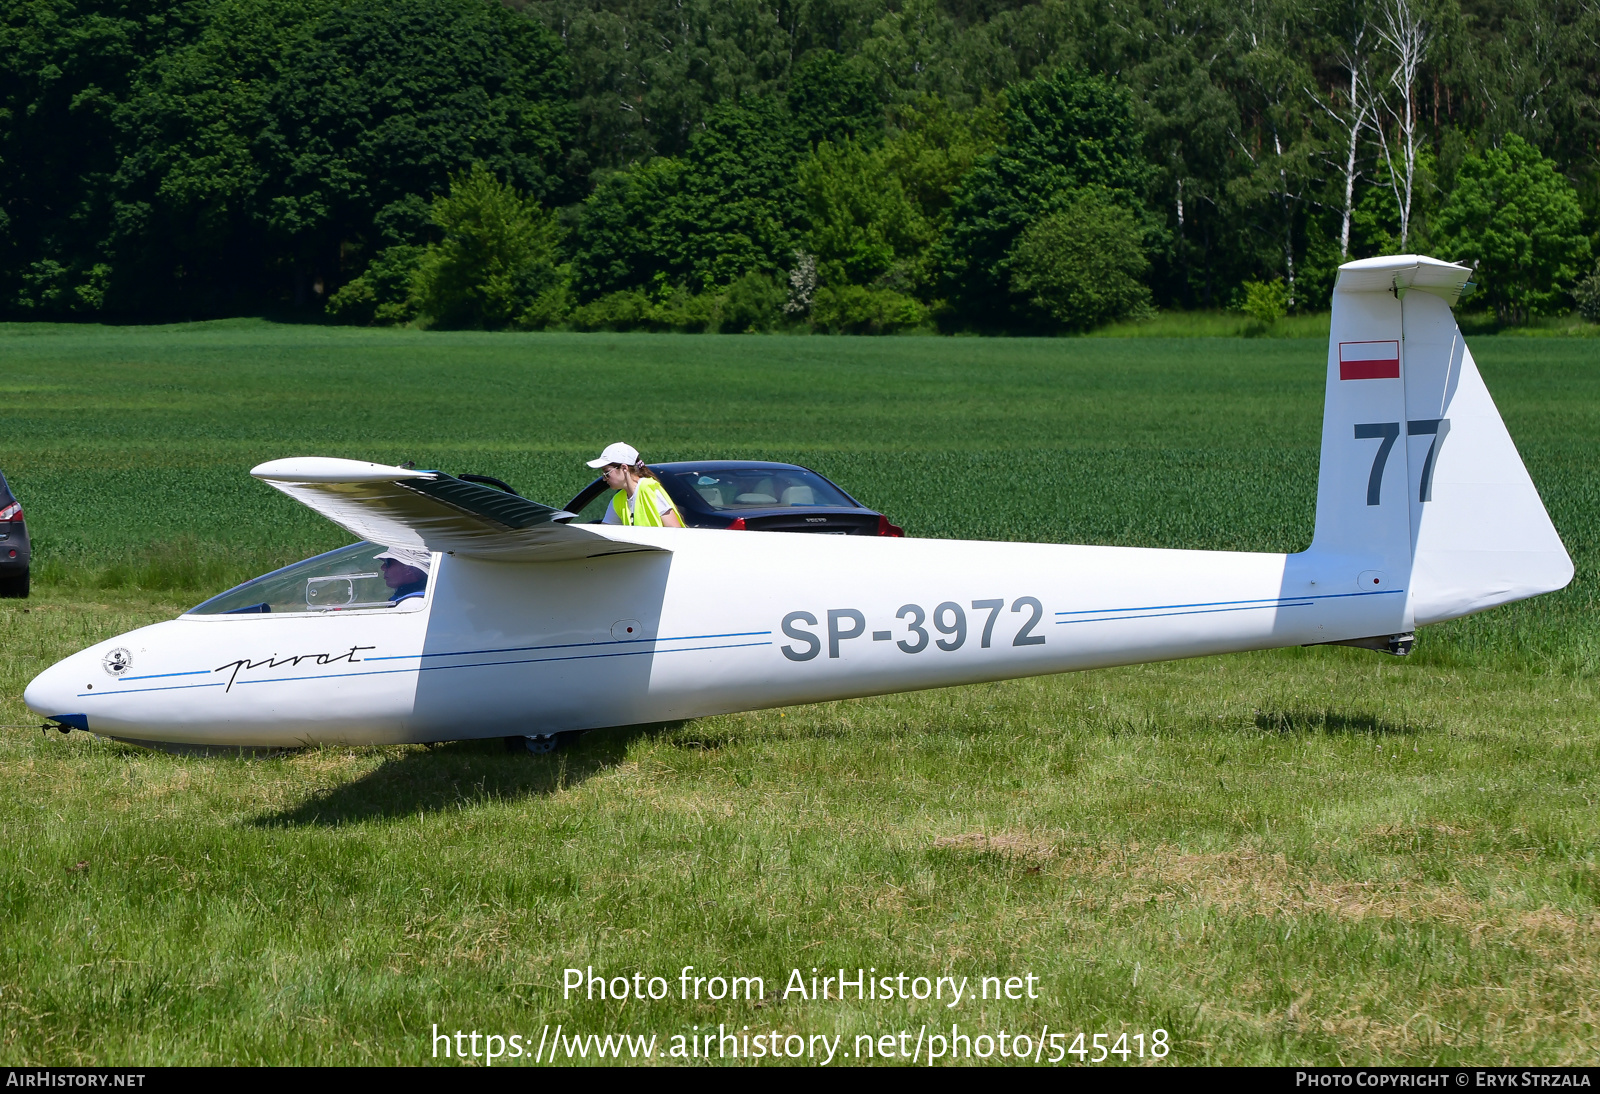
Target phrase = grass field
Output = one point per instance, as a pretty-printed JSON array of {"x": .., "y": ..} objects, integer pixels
[{"x": 1306, "y": 855}]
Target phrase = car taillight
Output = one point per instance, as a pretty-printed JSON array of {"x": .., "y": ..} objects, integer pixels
[
  {"x": 887, "y": 529},
  {"x": 738, "y": 525},
  {"x": 11, "y": 512}
]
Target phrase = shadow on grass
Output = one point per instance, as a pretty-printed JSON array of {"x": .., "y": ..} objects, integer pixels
[
  {"x": 460, "y": 775},
  {"x": 1303, "y": 721}
]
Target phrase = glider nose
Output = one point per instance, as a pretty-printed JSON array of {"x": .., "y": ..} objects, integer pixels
[{"x": 54, "y": 694}]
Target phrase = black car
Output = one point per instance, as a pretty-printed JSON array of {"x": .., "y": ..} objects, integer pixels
[
  {"x": 14, "y": 549},
  {"x": 745, "y": 494}
]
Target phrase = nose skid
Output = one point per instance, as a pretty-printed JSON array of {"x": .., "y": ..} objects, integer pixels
[{"x": 52, "y": 695}]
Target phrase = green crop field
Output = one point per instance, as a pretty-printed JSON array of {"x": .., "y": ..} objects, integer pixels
[{"x": 1319, "y": 855}]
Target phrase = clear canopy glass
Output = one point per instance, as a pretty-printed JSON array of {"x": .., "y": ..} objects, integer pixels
[
  {"x": 595, "y": 511},
  {"x": 349, "y": 579}
]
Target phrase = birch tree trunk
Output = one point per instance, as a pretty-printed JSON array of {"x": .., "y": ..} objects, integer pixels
[
  {"x": 1355, "y": 61},
  {"x": 1408, "y": 37},
  {"x": 1287, "y": 203},
  {"x": 1354, "y": 135},
  {"x": 1358, "y": 115}
]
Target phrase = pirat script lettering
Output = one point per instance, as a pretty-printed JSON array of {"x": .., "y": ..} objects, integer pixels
[{"x": 275, "y": 661}]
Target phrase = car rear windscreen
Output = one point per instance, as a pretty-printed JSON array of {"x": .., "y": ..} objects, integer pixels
[{"x": 758, "y": 488}]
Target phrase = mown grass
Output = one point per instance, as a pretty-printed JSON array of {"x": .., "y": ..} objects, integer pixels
[{"x": 1307, "y": 855}]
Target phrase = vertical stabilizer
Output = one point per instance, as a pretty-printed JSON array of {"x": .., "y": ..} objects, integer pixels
[
  {"x": 1420, "y": 483},
  {"x": 1363, "y": 540}
]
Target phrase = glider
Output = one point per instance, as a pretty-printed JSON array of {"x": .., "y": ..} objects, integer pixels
[{"x": 535, "y": 627}]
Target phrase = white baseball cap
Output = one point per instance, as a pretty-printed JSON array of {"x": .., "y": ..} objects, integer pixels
[
  {"x": 625, "y": 454},
  {"x": 409, "y": 556}
]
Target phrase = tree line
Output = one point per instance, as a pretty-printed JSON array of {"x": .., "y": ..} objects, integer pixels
[{"x": 842, "y": 165}]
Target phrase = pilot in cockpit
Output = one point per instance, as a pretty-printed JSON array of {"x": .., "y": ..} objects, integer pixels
[{"x": 405, "y": 571}]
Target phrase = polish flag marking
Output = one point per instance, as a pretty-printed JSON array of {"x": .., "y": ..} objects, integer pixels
[{"x": 1369, "y": 360}]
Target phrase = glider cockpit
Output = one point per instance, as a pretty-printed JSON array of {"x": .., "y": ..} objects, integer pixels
[{"x": 350, "y": 579}]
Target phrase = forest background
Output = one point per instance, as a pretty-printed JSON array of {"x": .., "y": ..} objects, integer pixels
[{"x": 831, "y": 165}]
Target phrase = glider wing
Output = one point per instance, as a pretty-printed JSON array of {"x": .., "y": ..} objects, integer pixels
[{"x": 429, "y": 510}]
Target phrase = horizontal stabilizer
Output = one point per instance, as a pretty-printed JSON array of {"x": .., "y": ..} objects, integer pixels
[
  {"x": 433, "y": 511},
  {"x": 1400, "y": 274}
]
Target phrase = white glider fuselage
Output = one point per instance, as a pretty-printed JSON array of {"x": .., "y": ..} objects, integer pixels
[
  {"x": 532, "y": 627},
  {"x": 725, "y": 622}
]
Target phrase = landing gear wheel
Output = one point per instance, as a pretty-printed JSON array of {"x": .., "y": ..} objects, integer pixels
[{"x": 541, "y": 744}]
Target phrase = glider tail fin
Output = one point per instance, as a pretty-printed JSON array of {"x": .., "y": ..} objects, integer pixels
[{"x": 1420, "y": 484}]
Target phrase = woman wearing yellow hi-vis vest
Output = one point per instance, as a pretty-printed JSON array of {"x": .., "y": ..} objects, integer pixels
[{"x": 639, "y": 500}]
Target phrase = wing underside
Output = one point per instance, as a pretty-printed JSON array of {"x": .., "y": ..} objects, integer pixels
[{"x": 429, "y": 510}]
